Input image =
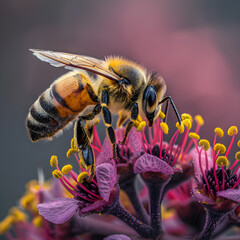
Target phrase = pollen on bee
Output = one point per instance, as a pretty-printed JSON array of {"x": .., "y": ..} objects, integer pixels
[
  {"x": 204, "y": 143},
  {"x": 141, "y": 125},
  {"x": 220, "y": 147}
]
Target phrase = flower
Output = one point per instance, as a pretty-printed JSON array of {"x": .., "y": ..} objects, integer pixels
[
  {"x": 217, "y": 182},
  {"x": 88, "y": 195}
]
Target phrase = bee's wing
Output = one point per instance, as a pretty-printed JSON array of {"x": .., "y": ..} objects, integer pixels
[{"x": 67, "y": 60}]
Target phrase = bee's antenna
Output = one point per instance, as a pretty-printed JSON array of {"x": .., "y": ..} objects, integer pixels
[{"x": 166, "y": 99}]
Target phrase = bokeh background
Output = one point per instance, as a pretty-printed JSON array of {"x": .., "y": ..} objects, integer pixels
[{"x": 193, "y": 44}]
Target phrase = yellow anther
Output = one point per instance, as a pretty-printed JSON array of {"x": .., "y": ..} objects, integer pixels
[
  {"x": 139, "y": 118},
  {"x": 187, "y": 123},
  {"x": 81, "y": 176},
  {"x": 238, "y": 143},
  {"x": 33, "y": 207},
  {"x": 219, "y": 132},
  {"x": 237, "y": 156},
  {"x": 220, "y": 147},
  {"x": 74, "y": 143},
  {"x": 204, "y": 143},
  {"x": 37, "y": 221},
  {"x": 162, "y": 115},
  {"x": 232, "y": 130},
  {"x": 199, "y": 120},
  {"x": 222, "y": 161},
  {"x": 141, "y": 125},
  {"x": 71, "y": 151},
  {"x": 186, "y": 116},
  {"x": 57, "y": 174},
  {"x": 6, "y": 224},
  {"x": 53, "y": 161},
  {"x": 180, "y": 127},
  {"x": 18, "y": 215},
  {"x": 67, "y": 168},
  {"x": 194, "y": 135},
  {"x": 26, "y": 200},
  {"x": 164, "y": 127}
]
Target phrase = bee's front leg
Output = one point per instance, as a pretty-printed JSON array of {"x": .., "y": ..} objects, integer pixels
[
  {"x": 107, "y": 118},
  {"x": 133, "y": 118}
]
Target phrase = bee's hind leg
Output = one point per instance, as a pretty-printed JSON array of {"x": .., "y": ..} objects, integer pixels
[
  {"x": 133, "y": 118},
  {"x": 107, "y": 118}
]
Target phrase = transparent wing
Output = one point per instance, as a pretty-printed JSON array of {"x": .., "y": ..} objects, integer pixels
[{"x": 73, "y": 61}]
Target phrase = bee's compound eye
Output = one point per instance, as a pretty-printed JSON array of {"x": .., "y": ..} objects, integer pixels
[{"x": 149, "y": 100}]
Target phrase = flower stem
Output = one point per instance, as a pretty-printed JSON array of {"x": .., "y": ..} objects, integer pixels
[
  {"x": 129, "y": 187},
  {"x": 213, "y": 218},
  {"x": 117, "y": 210},
  {"x": 155, "y": 190}
]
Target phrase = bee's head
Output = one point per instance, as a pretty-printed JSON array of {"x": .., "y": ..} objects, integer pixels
[{"x": 152, "y": 95}]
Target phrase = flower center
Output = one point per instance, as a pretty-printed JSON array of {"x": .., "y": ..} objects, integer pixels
[
  {"x": 229, "y": 182},
  {"x": 123, "y": 154},
  {"x": 91, "y": 187},
  {"x": 165, "y": 156}
]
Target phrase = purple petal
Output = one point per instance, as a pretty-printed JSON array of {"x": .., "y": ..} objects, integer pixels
[
  {"x": 195, "y": 156},
  {"x": 135, "y": 141},
  {"x": 202, "y": 198},
  {"x": 106, "y": 178},
  {"x": 96, "y": 206},
  {"x": 233, "y": 194},
  {"x": 119, "y": 134},
  {"x": 117, "y": 237},
  {"x": 150, "y": 163},
  {"x": 59, "y": 210},
  {"x": 56, "y": 188},
  {"x": 106, "y": 152}
]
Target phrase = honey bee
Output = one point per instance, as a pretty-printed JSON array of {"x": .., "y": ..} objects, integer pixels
[{"x": 118, "y": 86}]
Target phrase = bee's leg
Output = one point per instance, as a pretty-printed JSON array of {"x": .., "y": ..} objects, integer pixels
[
  {"x": 107, "y": 118},
  {"x": 166, "y": 99},
  {"x": 83, "y": 135},
  {"x": 133, "y": 118}
]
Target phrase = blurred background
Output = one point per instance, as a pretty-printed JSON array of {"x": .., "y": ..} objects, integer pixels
[{"x": 194, "y": 45}]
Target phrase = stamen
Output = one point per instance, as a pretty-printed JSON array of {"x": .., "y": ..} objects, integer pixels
[
  {"x": 219, "y": 132},
  {"x": 194, "y": 135},
  {"x": 222, "y": 161},
  {"x": 186, "y": 116},
  {"x": 53, "y": 161},
  {"x": 180, "y": 127},
  {"x": 71, "y": 151},
  {"x": 187, "y": 123},
  {"x": 57, "y": 174},
  {"x": 81, "y": 177},
  {"x": 37, "y": 221},
  {"x": 145, "y": 140},
  {"x": 223, "y": 177},
  {"x": 140, "y": 126},
  {"x": 74, "y": 143},
  {"x": 96, "y": 148},
  {"x": 199, "y": 120},
  {"x": 162, "y": 115},
  {"x": 18, "y": 215},
  {"x": 238, "y": 144},
  {"x": 237, "y": 156},
  {"x": 200, "y": 165},
  {"x": 233, "y": 130},
  {"x": 6, "y": 224},
  {"x": 96, "y": 137},
  {"x": 164, "y": 127},
  {"x": 220, "y": 147},
  {"x": 66, "y": 169},
  {"x": 204, "y": 143}
]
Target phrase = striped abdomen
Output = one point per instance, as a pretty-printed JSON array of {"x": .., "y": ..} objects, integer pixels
[{"x": 59, "y": 105}]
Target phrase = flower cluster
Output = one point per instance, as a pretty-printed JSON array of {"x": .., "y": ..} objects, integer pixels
[{"x": 166, "y": 183}]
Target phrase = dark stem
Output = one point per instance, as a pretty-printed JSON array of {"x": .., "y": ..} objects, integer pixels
[
  {"x": 213, "y": 218},
  {"x": 117, "y": 210},
  {"x": 155, "y": 198},
  {"x": 129, "y": 187}
]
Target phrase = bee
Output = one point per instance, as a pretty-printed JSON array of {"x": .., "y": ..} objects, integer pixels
[{"x": 117, "y": 85}]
